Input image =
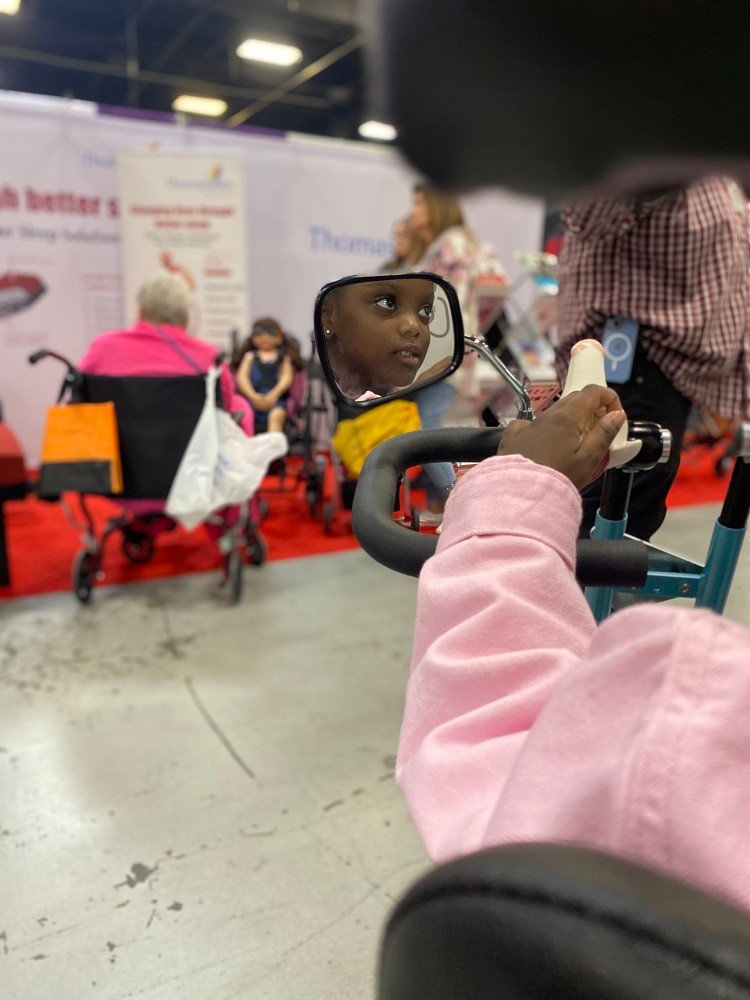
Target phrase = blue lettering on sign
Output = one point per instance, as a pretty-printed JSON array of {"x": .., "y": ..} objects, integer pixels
[
  {"x": 103, "y": 160},
  {"x": 323, "y": 240}
]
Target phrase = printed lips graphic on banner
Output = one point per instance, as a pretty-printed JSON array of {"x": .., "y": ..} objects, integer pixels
[{"x": 18, "y": 292}]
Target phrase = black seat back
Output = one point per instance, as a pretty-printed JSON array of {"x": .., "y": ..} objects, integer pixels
[
  {"x": 558, "y": 922},
  {"x": 156, "y": 417}
]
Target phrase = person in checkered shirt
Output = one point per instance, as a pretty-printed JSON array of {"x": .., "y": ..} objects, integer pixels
[{"x": 678, "y": 263}]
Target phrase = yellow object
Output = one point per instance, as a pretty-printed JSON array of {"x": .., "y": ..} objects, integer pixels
[
  {"x": 81, "y": 450},
  {"x": 354, "y": 439}
]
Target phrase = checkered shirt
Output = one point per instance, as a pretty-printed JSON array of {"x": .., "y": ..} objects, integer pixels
[{"x": 679, "y": 264}]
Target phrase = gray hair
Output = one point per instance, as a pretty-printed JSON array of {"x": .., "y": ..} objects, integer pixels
[{"x": 165, "y": 298}]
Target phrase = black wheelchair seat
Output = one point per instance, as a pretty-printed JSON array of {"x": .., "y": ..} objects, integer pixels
[{"x": 156, "y": 417}]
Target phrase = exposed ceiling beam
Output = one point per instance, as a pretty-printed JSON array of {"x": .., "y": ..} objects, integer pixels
[
  {"x": 295, "y": 23},
  {"x": 179, "y": 39},
  {"x": 206, "y": 87},
  {"x": 282, "y": 92}
]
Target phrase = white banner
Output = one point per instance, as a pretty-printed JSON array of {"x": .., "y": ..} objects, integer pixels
[
  {"x": 185, "y": 212},
  {"x": 314, "y": 210}
]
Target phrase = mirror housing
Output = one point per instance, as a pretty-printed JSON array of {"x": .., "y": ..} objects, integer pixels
[{"x": 380, "y": 337}]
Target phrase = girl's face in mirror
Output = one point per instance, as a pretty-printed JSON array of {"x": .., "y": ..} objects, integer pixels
[{"x": 378, "y": 333}]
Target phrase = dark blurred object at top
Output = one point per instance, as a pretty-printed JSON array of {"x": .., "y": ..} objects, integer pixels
[{"x": 618, "y": 97}]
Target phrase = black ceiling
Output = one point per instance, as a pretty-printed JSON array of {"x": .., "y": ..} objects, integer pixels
[{"x": 144, "y": 53}]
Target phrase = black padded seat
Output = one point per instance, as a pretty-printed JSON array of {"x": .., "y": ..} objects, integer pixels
[{"x": 559, "y": 922}]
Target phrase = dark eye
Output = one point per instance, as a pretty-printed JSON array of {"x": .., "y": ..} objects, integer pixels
[
  {"x": 427, "y": 313},
  {"x": 386, "y": 302}
]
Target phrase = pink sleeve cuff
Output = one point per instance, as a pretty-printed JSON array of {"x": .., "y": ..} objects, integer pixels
[{"x": 512, "y": 495}]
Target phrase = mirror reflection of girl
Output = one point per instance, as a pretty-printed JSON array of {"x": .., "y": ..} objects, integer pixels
[
  {"x": 265, "y": 375},
  {"x": 378, "y": 334}
]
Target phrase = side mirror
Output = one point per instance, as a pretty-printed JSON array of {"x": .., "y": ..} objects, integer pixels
[{"x": 382, "y": 337}]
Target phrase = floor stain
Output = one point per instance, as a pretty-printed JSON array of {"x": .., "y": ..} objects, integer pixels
[
  {"x": 138, "y": 873},
  {"x": 332, "y": 805}
]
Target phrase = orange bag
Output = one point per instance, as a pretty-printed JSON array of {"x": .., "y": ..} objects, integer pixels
[{"x": 81, "y": 450}]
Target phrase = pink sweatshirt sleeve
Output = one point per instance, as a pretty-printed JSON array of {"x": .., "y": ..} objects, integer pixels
[
  {"x": 488, "y": 649},
  {"x": 524, "y": 722}
]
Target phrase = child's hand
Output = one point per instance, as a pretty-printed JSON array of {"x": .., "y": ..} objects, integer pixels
[{"x": 573, "y": 436}]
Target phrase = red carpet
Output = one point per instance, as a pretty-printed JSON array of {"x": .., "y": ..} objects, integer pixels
[
  {"x": 697, "y": 481},
  {"x": 42, "y": 544}
]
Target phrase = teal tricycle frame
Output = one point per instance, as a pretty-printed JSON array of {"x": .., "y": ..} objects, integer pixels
[{"x": 670, "y": 575}]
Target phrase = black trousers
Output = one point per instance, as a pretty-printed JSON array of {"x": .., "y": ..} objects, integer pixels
[{"x": 649, "y": 395}]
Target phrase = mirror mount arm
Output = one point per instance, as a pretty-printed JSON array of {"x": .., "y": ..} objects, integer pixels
[{"x": 482, "y": 348}]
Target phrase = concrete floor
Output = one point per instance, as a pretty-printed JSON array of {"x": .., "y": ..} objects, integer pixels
[{"x": 197, "y": 801}]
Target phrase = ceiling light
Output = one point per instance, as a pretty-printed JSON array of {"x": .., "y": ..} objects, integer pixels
[
  {"x": 9, "y": 6},
  {"x": 377, "y": 130},
  {"x": 257, "y": 50},
  {"x": 213, "y": 107}
]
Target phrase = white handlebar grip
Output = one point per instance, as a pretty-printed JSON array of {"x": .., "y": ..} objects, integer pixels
[{"x": 587, "y": 368}]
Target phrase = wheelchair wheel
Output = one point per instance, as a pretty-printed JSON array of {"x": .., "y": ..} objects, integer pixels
[
  {"x": 85, "y": 568},
  {"x": 234, "y": 576},
  {"x": 257, "y": 549},
  {"x": 137, "y": 547}
]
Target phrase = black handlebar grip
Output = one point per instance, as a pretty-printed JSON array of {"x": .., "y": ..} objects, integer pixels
[
  {"x": 604, "y": 563},
  {"x": 621, "y": 563},
  {"x": 37, "y": 356},
  {"x": 372, "y": 513}
]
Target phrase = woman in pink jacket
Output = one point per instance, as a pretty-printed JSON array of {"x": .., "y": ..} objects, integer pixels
[
  {"x": 526, "y": 722},
  {"x": 159, "y": 344}
]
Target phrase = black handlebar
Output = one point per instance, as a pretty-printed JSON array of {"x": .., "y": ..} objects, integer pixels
[{"x": 606, "y": 563}]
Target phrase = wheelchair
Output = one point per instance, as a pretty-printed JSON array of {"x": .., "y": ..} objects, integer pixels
[{"x": 156, "y": 416}]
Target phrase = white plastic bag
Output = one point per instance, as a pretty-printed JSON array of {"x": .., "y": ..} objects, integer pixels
[{"x": 221, "y": 464}]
